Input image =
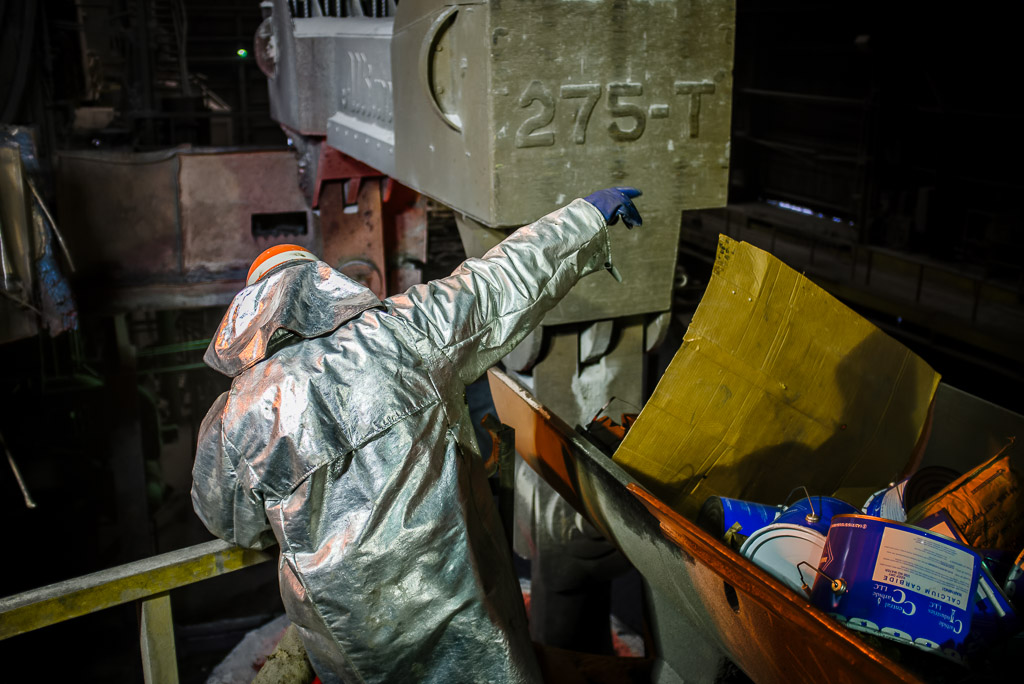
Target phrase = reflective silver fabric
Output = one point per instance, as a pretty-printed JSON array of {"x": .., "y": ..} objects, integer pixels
[
  {"x": 308, "y": 299},
  {"x": 353, "y": 447}
]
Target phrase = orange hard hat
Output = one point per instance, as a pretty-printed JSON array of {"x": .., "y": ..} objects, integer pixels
[{"x": 273, "y": 257}]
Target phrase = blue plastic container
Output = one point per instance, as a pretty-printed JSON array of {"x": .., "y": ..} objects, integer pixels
[
  {"x": 815, "y": 512},
  {"x": 718, "y": 515},
  {"x": 888, "y": 503},
  {"x": 893, "y": 502},
  {"x": 899, "y": 582}
]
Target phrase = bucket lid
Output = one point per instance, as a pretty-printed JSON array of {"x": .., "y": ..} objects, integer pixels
[{"x": 780, "y": 547}]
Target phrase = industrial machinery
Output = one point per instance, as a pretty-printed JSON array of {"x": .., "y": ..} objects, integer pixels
[{"x": 505, "y": 111}]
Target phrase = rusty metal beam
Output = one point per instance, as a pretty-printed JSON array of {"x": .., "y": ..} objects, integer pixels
[{"x": 354, "y": 240}]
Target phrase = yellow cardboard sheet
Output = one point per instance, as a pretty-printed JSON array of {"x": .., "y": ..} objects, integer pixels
[{"x": 777, "y": 384}]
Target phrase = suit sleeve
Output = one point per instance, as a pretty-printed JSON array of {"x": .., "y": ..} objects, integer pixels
[
  {"x": 487, "y": 306},
  {"x": 220, "y": 496}
]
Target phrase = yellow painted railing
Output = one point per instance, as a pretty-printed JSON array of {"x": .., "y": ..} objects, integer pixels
[{"x": 147, "y": 581}]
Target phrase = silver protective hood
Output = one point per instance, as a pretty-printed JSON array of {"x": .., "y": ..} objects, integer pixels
[
  {"x": 353, "y": 449},
  {"x": 308, "y": 299}
]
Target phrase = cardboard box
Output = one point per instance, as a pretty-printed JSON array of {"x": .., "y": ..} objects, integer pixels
[{"x": 777, "y": 384}]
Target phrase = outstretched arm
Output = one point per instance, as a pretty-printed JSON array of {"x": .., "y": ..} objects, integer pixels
[{"x": 487, "y": 306}]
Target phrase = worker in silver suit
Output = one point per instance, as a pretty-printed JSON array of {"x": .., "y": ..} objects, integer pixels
[{"x": 346, "y": 438}]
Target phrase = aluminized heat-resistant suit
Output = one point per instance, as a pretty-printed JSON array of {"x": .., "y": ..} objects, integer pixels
[{"x": 346, "y": 436}]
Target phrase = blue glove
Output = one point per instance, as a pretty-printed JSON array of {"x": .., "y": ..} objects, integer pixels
[{"x": 616, "y": 202}]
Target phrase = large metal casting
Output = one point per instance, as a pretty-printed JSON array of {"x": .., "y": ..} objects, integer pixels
[
  {"x": 507, "y": 110},
  {"x": 324, "y": 69}
]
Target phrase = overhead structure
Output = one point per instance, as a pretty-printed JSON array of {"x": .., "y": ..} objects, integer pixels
[{"x": 505, "y": 111}]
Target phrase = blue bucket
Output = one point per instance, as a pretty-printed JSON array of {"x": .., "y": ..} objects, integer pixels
[
  {"x": 720, "y": 515},
  {"x": 815, "y": 512},
  {"x": 888, "y": 503},
  {"x": 899, "y": 582},
  {"x": 893, "y": 502}
]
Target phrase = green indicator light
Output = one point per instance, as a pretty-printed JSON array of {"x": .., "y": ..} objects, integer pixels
[{"x": 242, "y": 53}]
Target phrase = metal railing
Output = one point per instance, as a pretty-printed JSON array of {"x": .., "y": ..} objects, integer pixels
[{"x": 147, "y": 581}]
